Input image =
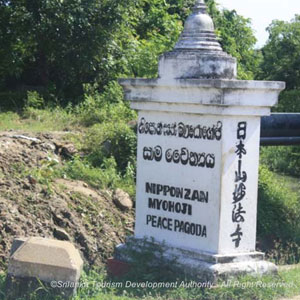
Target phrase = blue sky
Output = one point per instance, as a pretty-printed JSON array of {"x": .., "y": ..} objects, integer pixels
[{"x": 262, "y": 12}]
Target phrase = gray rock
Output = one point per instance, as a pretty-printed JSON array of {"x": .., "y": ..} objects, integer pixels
[
  {"x": 122, "y": 200},
  {"x": 61, "y": 234}
]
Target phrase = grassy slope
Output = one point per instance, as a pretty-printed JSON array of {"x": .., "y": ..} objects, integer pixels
[
  {"x": 37, "y": 121},
  {"x": 286, "y": 284},
  {"x": 46, "y": 121}
]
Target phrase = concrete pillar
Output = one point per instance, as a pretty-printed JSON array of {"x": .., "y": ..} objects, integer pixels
[{"x": 198, "y": 154}]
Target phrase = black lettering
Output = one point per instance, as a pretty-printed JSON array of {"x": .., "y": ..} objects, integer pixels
[
  {"x": 178, "y": 207},
  {"x": 151, "y": 203},
  {"x": 204, "y": 234},
  {"x": 184, "y": 208},
  {"x": 210, "y": 161},
  {"x": 187, "y": 194},
  {"x": 237, "y": 213},
  {"x": 189, "y": 210},
  {"x": 170, "y": 224},
  {"x": 187, "y": 227},
  {"x": 190, "y": 228},
  {"x": 240, "y": 149},
  {"x": 203, "y": 197},
  {"x": 237, "y": 236},
  {"x": 169, "y": 155},
  {"x": 195, "y": 195},
  {"x": 149, "y": 218},
  {"x": 239, "y": 192},
  {"x": 179, "y": 192},
  {"x": 242, "y": 129},
  {"x": 165, "y": 223},
  {"x": 166, "y": 189},
  {"x": 239, "y": 174},
  {"x": 159, "y": 189},
  {"x": 176, "y": 225},
  {"x": 184, "y": 156},
  {"x": 148, "y": 153},
  {"x": 184, "y": 130},
  {"x": 158, "y": 203},
  {"x": 158, "y": 153},
  {"x": 150, "y": 188},
  {"x": 171, "y": 206},
  {"x": 165, "y": 205},
  {"x": 154, "y": 221},
  {"x": 159, "y": 222},
  {"x": 202, "y": 160}
]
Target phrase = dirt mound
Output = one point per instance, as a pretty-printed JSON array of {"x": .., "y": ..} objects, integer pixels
[{"x": 30, "y": 205}]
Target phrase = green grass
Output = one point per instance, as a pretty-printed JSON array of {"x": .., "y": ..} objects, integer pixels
[
  {"x": 101, "y": 167},
  {"x": 287, "y": 284},
  {"x": 95, "y": 286},
  {"x": 282, "y": 159},
  {"x": 38, "y": 120},
  {"x": 292, "y": 183},
  {"x": 278, "y": 208},
  {"x": 278, "y": 227}
]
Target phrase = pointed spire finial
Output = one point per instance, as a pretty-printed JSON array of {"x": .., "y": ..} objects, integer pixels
[
  {"x": 199, "y": 32},
  {"x": 199, "y": 5},
  {"x": 198, "y": 53}
]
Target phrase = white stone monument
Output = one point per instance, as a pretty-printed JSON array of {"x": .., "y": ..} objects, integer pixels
[{"x": 198, "y": 154}]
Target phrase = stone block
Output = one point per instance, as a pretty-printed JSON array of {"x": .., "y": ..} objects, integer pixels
[
  {"x": 55, "y": 264},
  {"x": 17, "y": 242}
]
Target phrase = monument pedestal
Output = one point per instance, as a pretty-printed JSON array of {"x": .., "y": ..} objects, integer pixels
[
  {"x": 204, "y": 266},
  {"x": 198, "y": 155}
]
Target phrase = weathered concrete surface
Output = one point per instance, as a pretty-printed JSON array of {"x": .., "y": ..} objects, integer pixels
[
  {"x": 199, "y": 264},
  {"x": 198, "y": 156},
  {"x": 203, "y": 96},
  {"x": 198, "y": 53},
  {"x": 46, "y": 260},
  {"x": 17, "y": 243}
]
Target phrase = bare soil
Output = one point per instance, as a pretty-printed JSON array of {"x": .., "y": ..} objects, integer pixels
[{"x": 30, "y": 205}]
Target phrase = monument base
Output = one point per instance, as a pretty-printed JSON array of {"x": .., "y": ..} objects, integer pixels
[{"x": 199, "y": 265}]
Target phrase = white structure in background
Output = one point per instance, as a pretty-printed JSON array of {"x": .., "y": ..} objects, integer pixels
[{"x": 198, "y": 154}]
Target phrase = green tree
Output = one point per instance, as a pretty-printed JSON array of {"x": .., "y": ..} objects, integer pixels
[
  {"x": 159, "y": 25},
  {"x": 281, "y": 61},
  {"x": 237, "y": 38},
  {"x": 60, "y": 45},
  {"x": 281, "y": 54}
]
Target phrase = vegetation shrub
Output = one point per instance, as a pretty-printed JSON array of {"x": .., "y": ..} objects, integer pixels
[
  {"x": 111, "y": 130},
  {"x": 111, "y": 139},
  {"x": 289, "y": 102},
  {"x": 12, "y": 100},
  {"x": 34, "y": 100},
  {"x": 282, "y": 159},
  {"x": 278, "y": 227},
  {"x": 104, "y": 176},
  {"x": 103, "y": 107}
]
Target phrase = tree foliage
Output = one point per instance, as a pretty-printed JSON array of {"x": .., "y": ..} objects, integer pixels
[
  {"x": 237, "y": 38},
  {"x": 281, "y": 54},
  {"x": 57, "y": 46},
  {"x": 281, "y": 61}
]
